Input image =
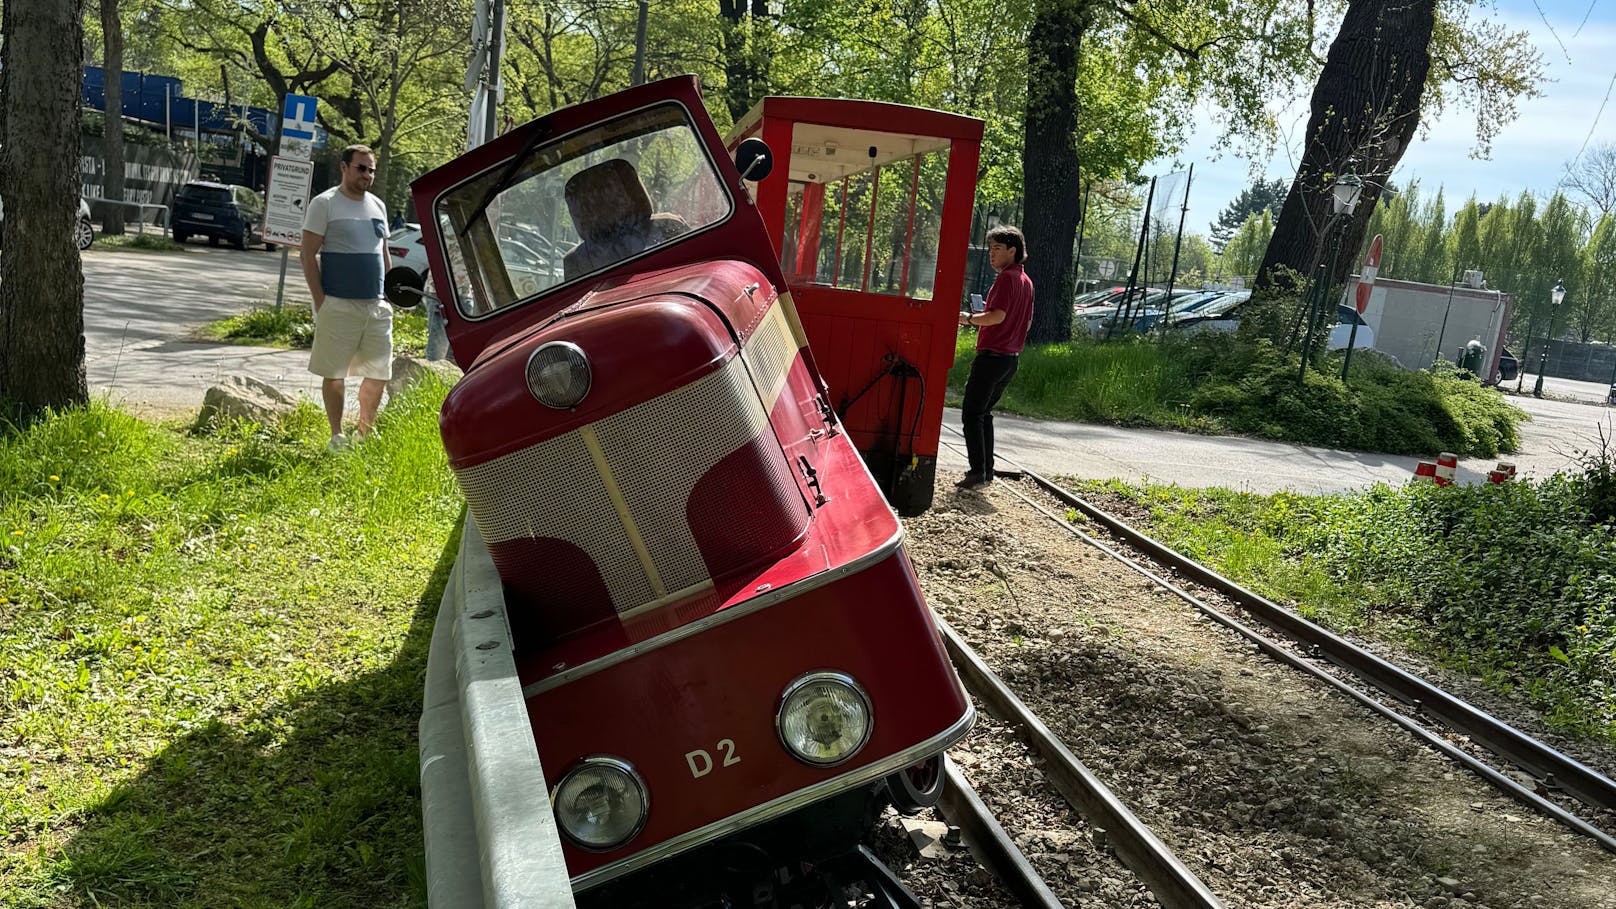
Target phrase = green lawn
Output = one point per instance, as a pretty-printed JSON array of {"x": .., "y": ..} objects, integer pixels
[
  {"x": 292, "y": 327},
  {"x": 214, "y": 651}
]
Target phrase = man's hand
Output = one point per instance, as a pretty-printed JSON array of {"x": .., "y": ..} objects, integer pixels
[
  {"x": 309, "y": 258},
  {"x": 964, "y": 317}
]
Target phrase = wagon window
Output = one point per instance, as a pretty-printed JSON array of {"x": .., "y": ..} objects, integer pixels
[
  {"x": 579, "y": 206},
  {"x": 863, "y": 222}
]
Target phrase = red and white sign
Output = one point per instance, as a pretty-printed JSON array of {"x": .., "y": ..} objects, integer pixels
[{"x": 1366, "y": 279}]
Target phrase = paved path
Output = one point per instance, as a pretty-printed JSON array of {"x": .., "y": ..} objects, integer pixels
[{"x": 141, "y": 311}]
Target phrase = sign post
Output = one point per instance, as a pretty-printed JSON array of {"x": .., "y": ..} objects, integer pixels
[
  {"x": 290, "y": 172},
  {"x": 1366, "y": 285}
]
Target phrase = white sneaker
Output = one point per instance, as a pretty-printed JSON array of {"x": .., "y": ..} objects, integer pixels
[{"x": 337, "y": 443}]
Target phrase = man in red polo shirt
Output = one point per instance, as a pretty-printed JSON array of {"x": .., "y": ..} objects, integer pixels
[{"x": 1003, "y": 323}]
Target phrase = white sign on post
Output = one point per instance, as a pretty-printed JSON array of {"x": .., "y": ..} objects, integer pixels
[
  {"x": 285, "y": 200},
  {"x": 299, "y": 120}
]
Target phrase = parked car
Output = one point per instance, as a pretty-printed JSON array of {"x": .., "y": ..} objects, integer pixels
[
  {"x": 530, "y": 268},
  {"x": 1340, "y": 332},
  {"x": 1508, "y": 366},
  {"x": 219, "y": 211},
  {"x": 83, "y": 228}
]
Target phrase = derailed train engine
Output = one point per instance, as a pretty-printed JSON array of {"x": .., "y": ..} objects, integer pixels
[{"x": 722, "y": 645}]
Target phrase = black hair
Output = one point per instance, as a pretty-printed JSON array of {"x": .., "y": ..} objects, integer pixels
[{"x": 1011, "y": 237}]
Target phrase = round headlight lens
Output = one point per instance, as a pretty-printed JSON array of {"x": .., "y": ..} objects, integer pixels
[
  {"x": 601, "y": 804},
  {"x": 824, "y": 718},
  {"x": 558, "y": 374}
]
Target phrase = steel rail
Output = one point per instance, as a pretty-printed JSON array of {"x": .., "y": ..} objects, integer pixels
[
  {"x": 1552, "y": 768},
  {"x": 1174, "y": 885},
  {"x": 961, "y": 804}
]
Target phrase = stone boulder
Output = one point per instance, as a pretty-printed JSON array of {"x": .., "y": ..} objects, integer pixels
[
  {"x": 408, "y": 370},
  {"x": 243, "y": 398}
]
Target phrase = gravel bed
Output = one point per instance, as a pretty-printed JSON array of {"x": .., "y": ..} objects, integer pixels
[{"x": 1276, "y": 791}]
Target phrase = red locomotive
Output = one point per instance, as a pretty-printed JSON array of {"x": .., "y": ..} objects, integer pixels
[{"x": 722, "y": 644}]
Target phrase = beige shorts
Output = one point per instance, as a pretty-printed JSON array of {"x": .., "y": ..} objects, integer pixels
[{"x": 353, "y": 338}]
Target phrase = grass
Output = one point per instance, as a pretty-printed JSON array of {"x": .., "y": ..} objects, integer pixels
[
  {"x": 213, "y": 658},
  {"x": 1440, "y": 570},
  {"x": 1215, "y": 384},
  {"x": 292, "y": 327},
  {"x": 138, "y": 242}
]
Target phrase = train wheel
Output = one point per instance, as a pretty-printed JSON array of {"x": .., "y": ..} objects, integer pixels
[{"x": 914, "y": 789}]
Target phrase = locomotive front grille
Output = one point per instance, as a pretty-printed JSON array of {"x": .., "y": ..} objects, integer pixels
[{"x": 653, "y": 497}]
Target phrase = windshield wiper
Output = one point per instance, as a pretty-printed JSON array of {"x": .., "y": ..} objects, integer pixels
[{"x": 504, "y": 181}]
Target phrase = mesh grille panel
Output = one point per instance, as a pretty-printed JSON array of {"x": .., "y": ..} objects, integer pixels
[
  {"x": 770, "y": 352},
  {"x": 659, "y": 451},
  {"x": 552, "y": 489}
]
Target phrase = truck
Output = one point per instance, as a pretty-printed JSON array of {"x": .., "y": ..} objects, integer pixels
[{"x": 1418, "y": 324}]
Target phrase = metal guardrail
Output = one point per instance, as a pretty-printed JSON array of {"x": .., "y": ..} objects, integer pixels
[
  {"x": 491, "y": 838},
  {"x": 140, "y": 213}
]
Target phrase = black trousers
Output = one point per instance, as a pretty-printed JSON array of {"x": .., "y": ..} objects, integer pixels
[{"x": 990, "y": 376}]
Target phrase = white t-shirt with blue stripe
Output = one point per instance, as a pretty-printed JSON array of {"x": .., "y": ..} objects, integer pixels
[{"x": 354, "y": 231}]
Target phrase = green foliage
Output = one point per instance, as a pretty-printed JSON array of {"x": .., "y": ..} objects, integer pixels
[
  {"x": 138, "y": 242},
  {"x": 1214, "y": 383},
  {"x": 1261, "y": 197},
  {"x": 292, "y": 326},
  {"x": 1513, "y": 582},
  {"x": 1243, "y": 253},
  {"x": 214, "y": 652}
]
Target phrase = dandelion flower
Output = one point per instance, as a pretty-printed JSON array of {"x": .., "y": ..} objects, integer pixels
[
  {"x": 16, "y": 533},
  {"x": 55, "y": 479},
  {"x": 104, "y": 497}
]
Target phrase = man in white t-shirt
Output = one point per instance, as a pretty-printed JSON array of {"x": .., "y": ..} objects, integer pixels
[{"x": 344, "y": 257}]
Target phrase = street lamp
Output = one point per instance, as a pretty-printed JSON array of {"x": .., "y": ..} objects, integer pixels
[
  {"x": 1556, "y": 297},
  {"x": 1344, "y": 195}
]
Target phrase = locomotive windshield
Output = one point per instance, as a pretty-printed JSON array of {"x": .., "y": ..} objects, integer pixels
[{"x": 578, "y": 206}]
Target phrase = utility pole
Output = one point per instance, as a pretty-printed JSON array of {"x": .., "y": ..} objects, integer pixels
[{"x": 639, "y": 44}]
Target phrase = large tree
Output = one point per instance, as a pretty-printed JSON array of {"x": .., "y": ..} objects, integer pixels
[
  {"x": 1050, "y": 163},
  {"x": 1594, "y": 176},
  {"x": 41, "y": 282},
  {"x": 1364, "y": 112},
  {"x": 1261, "y": 196}
]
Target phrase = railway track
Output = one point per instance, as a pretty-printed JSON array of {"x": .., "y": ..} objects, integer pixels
[{"x": 1434, "y": 717}]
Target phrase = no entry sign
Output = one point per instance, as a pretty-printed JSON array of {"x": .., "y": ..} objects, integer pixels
[{"x": 1366, "y": 278}]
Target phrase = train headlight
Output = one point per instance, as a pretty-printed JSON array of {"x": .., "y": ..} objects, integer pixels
[
  {"x": 601, "y": 804},
  {"x": 558, "y": 374},
  {"x": 824, "y": 718}
]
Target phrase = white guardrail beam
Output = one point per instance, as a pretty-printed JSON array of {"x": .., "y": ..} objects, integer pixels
[{"x": 491, "y": 838}]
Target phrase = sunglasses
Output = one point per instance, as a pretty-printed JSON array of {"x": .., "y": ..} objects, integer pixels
[{"x": 363, "y": 168}]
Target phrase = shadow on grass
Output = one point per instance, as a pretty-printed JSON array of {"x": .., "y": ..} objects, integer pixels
[{"x": 328, "y": 817}]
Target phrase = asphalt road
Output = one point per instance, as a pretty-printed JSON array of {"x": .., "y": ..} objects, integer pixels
[{"x": 142, "y": 310}]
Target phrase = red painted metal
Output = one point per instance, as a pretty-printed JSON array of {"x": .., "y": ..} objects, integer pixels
[
  {"x": 804, "y": 570},
  {"x": 909, "y": 233},
  {"x": 853, "y": 331},
  {"x": 869, "y": 234}
]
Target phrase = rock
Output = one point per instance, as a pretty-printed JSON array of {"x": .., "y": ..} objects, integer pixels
[
  {"x": 1449, "y": 884},
  {"x": 927, "y": 836},
  {"x": 408, "y": 370},
  {"x": 242, "y": 398}
]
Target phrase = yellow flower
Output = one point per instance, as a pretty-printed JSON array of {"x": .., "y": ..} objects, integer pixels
[
  {"x": 55, "y": 479},
  {"x": 1583, "y": 628},
  {"x": 77, "y": 589},
  {"x": 3, "y": 601},
  {"x": 16, "y": 533},
  {"x": 104, "y": 497}
]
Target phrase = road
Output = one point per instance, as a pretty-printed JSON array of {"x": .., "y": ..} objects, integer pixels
[{"x": 141, "y": 311}]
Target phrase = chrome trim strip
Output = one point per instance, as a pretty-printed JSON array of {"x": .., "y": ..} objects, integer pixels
[
  {"x": 779, "y": 807},
  {"x": 718, "y": 618}
]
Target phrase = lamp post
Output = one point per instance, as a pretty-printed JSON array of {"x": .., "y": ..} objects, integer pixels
[
  {"x": 1556, "y": 297},
  {"x": 1344, "y": 195}
]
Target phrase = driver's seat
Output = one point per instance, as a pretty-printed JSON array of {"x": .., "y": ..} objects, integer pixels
[{"x": 612, "y": 213}]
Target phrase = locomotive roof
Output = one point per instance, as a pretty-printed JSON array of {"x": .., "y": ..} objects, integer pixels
[{"x": 832, "y": 137}]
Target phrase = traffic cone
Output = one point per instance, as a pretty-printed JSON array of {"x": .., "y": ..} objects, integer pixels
[
  {"x": 1425, "y": 472},
  {"x": 1447, "y": 468}
]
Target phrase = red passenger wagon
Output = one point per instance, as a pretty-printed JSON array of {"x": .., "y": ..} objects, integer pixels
[
  {"x": 721, "y": 642},
  {"x": 871, "y": 213}
]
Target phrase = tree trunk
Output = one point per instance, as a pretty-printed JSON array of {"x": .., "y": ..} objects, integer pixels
[
  {"x": 42, "y": 291},
  {"x": 1365, "y": 110},
  {"x": 112, "y": 141},
  {"x": 1049, "y": 162},
  {"x": 744, "y": 70}
]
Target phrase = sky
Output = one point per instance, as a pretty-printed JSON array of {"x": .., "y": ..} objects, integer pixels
[{"x": 1530, "y": 153}]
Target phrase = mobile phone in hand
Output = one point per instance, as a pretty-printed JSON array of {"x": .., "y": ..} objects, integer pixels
[{"x": 977, "y": 303}]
